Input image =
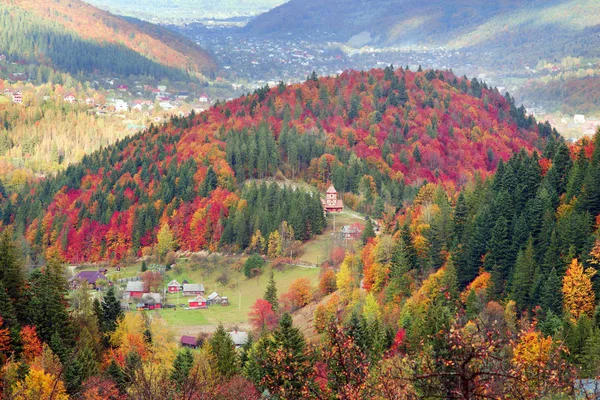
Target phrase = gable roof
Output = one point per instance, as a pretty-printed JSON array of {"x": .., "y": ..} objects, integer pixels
[
  {"x": 90, "y": 276},
  {"x": 193, "y": 287},
  {"x": 189, "y": 340},
  {"x": 198, "y": 299},
  {"x": 331, "y": 189},
  {"x": 213, "y": 295},
  {"x": 152, "y": 297},
  {"x": 173, "y": 283},
  {"x": 135, "y": 287},
  {"x": 239, "y": 338}
]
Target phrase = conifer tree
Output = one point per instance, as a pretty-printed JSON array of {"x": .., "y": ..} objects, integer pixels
[
  {"x": 368, "y": 231},
  {"x": 523, "y": 276},
  {"x": 271, "y": 292},
  {"x": 223, "y": 349},
  {"x": 182, "y": 366},
  {"x": 111, "y": 311}
]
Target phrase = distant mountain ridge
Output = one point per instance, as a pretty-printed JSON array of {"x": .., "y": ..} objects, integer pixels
[
  {"x": 74, "y": 25},
  {"x": 454, "y": 24}
]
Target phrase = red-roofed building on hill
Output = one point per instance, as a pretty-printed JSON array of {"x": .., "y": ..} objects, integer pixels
[{"x": 331, "y": 202}]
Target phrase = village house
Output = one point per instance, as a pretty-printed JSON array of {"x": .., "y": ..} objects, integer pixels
[
  {"x": 213, "y": 298},
  {"x": 92, "y": 278},
  {"x": 122, "y": 88},
  {"x": 69, "y": 98},
  {"x": 17, "y": 98},
  {"x": 189, "y": 341},
  {"x": 204, "y": 98},
  {"x": 90, "y": 101},
  {"x": 197, "y": 302},
  {"x": 173, "y": 286},
  {"x": 151, "y": 301},
  {"x": 579, "y": 119},
  {"x": 135, "y": 289},
  {"x": 351, "y": 232},
  {"x": 239, "y": 338},
  {"x": 193, "y": 289},
  {"x": 331, "y": 202}
]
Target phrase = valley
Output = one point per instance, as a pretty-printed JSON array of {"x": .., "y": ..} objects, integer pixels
[{"x": 270, "y": 199}]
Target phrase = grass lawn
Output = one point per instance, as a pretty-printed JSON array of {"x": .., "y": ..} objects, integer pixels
[
  {"x": 236, "y": 312},
  {"x": 179, "y": 317},
  {"x": 318, "y": 250}
]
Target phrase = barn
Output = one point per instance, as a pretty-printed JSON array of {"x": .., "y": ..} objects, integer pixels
[
  {"x": 193, "y": 289},
  {"x": 135, "y": 289},
  {"x": 197, "y": 302}
]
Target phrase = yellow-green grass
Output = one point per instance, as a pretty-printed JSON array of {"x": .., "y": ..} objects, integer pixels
[
  {"x": 236, "y": 312},
  {"x": 319, "y": 249}
]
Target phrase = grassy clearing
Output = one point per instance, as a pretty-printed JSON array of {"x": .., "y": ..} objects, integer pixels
[
  {"x": 250, "y": 290},
  {"x": 318, "y": 250}
]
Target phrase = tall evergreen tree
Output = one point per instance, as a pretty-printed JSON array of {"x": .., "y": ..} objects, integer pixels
[
  {"x": 223, "y": 349},
  {"x": 271, "y": 292}
]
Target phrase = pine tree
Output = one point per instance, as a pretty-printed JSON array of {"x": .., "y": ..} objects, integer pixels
[
  {"x": 181, "y": 368},
  {"x": 551, "y": 294},
  {"x": 111, "y": 312},
  {"x": 498, "y": 256},
  {"x": 223, "y": 349},
  {"x": 271, "y": 292},
  {"x": 368, "y": 231},
  {"x": 523, "y": 276},
  {"x": 117, "y": 375}
]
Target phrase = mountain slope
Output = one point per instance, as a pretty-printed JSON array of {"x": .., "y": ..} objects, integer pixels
[
  {"x": 50, "y": 30},
  {"x": 376, "y": 136},
  {"x": 564, "y": 25}
]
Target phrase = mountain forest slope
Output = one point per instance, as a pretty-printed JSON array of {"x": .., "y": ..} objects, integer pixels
[
  {"x": 74, "y": 37},
  {"x": 567, "y": 27},
  {"x": 377, "y": 136}
]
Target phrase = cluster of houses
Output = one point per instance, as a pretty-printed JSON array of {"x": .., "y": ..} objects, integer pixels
[
  {"x": 151, "y": 301},
  {"x": 197, "y": 290}
]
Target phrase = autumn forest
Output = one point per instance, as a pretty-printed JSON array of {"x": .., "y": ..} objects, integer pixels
[{"x": 474, "y": 274}]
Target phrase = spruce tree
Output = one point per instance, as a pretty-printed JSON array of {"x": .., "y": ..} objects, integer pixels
[
  {"x": 551, "y": 294},
  {"x": 111, "y": 311},
  {"x": 223, "y": 349},
  {"x": 117, "y": 375},
  {"x": 271, "y": 292},
  {"x": 368, "y": 231},
  {"x": 523, "y": 276},
  {"x": 498, "y": 256},
  {"x": 182, "y": 366}
]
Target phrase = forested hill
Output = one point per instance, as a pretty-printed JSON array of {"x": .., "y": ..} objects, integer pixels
[
  {"x": 500, "y": 30},
  {"x": 377, "y": 136},
  {"x": 75, "y": 37}
]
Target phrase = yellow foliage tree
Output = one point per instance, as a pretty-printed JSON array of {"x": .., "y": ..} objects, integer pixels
[
  {"x": 345, "y": 280},
  {"x": 274, "y": 244},
  {"x": 165, "y": 240},
  {"x": 578, "y": 294},
  {"x": 258, "y": 242},
  {"x": 39, "y": 385}
]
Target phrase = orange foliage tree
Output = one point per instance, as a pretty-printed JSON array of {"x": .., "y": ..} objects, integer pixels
[{"x": 578, "y": 294}]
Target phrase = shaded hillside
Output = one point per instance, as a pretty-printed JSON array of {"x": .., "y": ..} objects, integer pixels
[
  {"x": 74, "y": 36},
  {"x": 376, "y": 136},
  {"x": 568, "y": 95},
  {"x": 533, "y": 29}
]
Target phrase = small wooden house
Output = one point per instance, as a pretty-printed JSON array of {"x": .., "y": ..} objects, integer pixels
[
  {"x": 135, "y": 289},
  {"x": 173, "y": 286},
  {"x": 213, "y": 298},
  {"x": 193, "y": 289},
  {"x": 189, "y": 341},
  {"x": 152, "y": 301},
  {"x": 197, "y": 302}
]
